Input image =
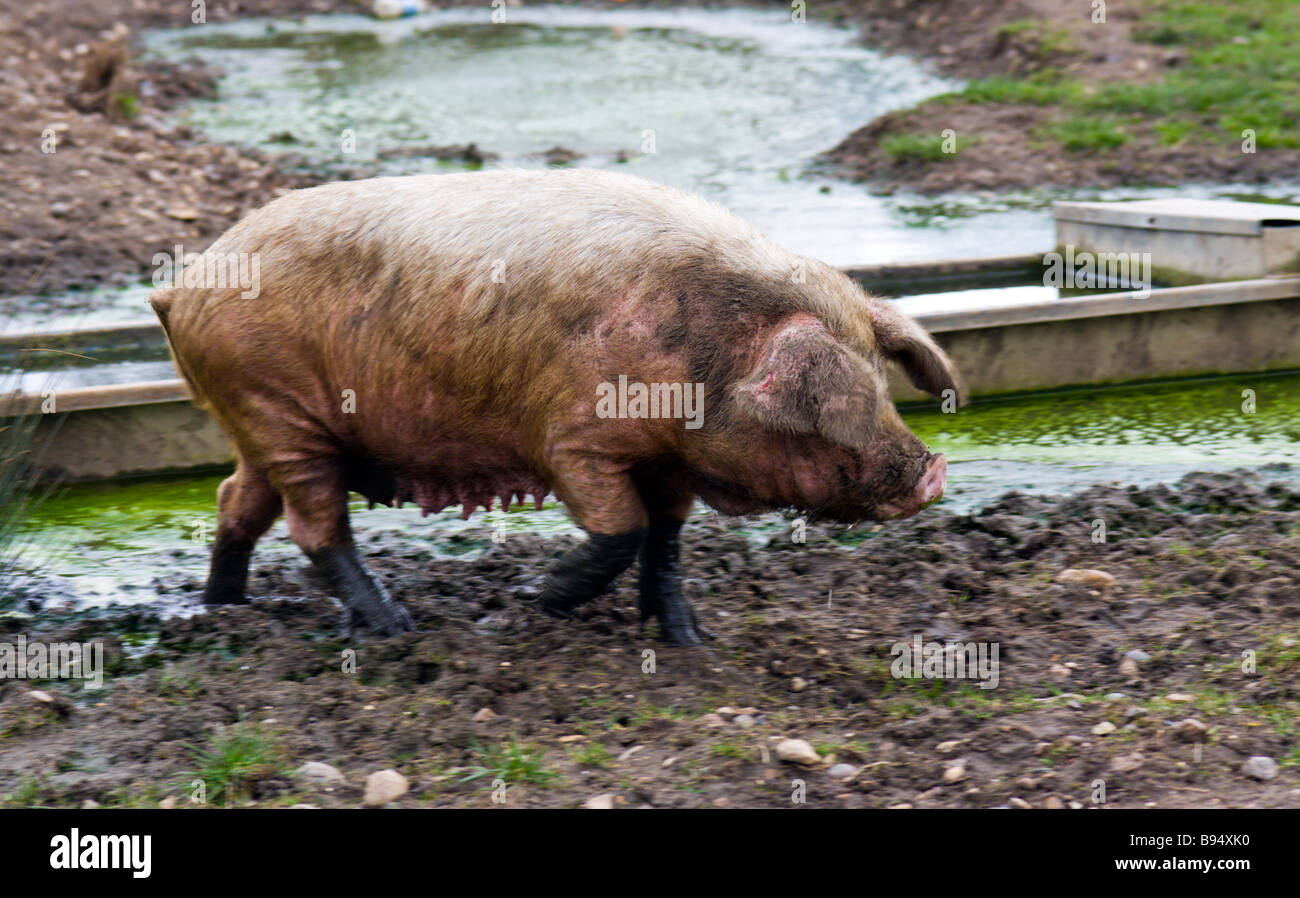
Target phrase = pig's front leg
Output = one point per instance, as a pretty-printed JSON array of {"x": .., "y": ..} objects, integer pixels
[{"x": 661, "y": 581}]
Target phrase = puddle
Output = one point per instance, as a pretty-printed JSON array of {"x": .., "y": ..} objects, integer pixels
[{"x": 110, "y": 543}]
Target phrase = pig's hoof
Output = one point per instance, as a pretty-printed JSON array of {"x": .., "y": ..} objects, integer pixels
[
  {"x": 384, "y": 620},
  {"x": 553, "y": 610},
  {"x": 224, "y": 597},
  {"x": 681, "y": 636},
  {"x": 685, "y": 633}
]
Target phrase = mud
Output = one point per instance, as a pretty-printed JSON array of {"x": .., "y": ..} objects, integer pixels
[{"x": 1204, "y": 572}]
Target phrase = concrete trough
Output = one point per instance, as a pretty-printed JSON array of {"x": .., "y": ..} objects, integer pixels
[
  {"x": 1010, "y": 346},
  {"x": 1189, "y": 240}
]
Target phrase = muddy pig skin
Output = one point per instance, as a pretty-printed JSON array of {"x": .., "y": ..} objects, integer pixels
[{"x": 456, "y": 339}]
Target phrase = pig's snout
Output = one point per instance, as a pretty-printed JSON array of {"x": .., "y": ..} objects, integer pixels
[{"x": 929, "y": 489}]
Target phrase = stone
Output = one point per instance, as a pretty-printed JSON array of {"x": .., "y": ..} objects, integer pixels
[
  {"x": 384, "y": 786},
  {"x": 1260, "y": 767},
  {"x": 842, "y": 771},
  {"x": 797, "y": 751},
  {"x": 1086, "y": 577},
  {"x": 319, "y": 774},
  {"x": 483, "y": 715},
  {"x": 601, "y": 802},
  {"x": 1127, "y": 763},
  {"x": 1105, "y": 728}
]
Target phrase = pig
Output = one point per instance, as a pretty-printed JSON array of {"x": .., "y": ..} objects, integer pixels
[{"x": 454, "y": 339}]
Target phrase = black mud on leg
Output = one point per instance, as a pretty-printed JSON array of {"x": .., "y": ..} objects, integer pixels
[
  {"x": 228, "y": 575},
  {"x": 360, "y": 593},
  {"x": 661, "y": 584},
  {"x": 584, "y": 573}
]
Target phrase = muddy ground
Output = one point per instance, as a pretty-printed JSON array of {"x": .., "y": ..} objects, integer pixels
[{"x": 1203, "y": 572}]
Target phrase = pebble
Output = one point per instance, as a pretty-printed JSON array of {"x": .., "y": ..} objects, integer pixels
[
  {"x": 601, "y": 802},
  {"x": 1127, "y": 763},
  {"x": 713, "y": 720},
  {"x": 319, "y": 774},
  {"x": 1260, "y": 767},
  {"x": 1052, "y": 803},
  {"x": 797, "y": 751},
  {"x": 1129, "y": 668},
  {"x": 843, "y": 771},
  {"x": 798, "y": 684},
  {"x": 901, "y": 806},
  {"x": 1019, "y": 803},
  {"x": 744, "y": 721},
  {"x": 484, "y": 714},
  {"x": 384, "y": 786},
  {"x": 1137, "y": 655},
  {"x": 1105, "y": 728},
  {"x": 954, "y": 774},
  {"x": 1178, "y": 697},
  {"x": 630, "y": 752},
  {"x": 37, "y": 695},
  {"x": 1060, "y": 671},
  {"x": 1086, "y": 577},
  {"x": 303, "y": 807},
  {"x": 948, "y": 747}
]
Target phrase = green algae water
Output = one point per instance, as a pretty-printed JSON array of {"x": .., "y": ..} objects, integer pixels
[{"x": 110, "y": 544}]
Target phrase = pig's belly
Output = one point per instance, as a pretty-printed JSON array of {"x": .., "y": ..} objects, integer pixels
[{"x": 437, "y": 470}]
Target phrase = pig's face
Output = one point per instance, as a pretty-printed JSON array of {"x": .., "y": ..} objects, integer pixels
[{"x": 813, "y": 426}]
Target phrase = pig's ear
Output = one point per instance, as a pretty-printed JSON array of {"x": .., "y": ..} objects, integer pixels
[
  {"x": 904, "y": 341},
  {"x": 807, "y": 382}
]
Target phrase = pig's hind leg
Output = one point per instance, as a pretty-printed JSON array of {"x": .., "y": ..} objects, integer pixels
[
  {"x": 315, "y": 498},
  {"x": 601, "y": 498},
  {"x": 661, "y": 576},
  {"x": 247, "y": 506}
]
